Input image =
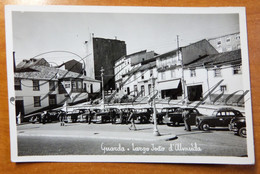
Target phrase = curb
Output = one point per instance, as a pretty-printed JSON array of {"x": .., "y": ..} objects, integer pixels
[{"x": 123, "y": 136}]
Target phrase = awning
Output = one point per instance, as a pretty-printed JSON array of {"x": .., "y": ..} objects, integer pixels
[{"x": 173, "y": 84}]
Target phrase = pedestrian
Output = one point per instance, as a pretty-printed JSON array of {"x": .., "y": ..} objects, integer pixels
[
  {"x": 132, "y": 120},
  {"x": 113, "y": 116},
  {"x": 62, "y": 116},
  {"x": 18, "y": 120},
  {"x": 186, "y": 116},
  {"x": 121, "y": 112},
  {"x": 91, "y": 115}
]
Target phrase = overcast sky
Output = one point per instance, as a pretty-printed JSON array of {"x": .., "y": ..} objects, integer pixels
[{"x": 39, "y": 32}]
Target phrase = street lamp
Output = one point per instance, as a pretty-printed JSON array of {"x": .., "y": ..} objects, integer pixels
[
  {"x": 155, "y": 129},
  {"x": 103, "y": 90}
]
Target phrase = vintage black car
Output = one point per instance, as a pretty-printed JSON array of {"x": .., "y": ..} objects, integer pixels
[
  {"x": 238, "y": 125},
  {"x": 175, "y": 118},
  {"x": 160, "y": 116},
  {"x": 104, "y": 115},
  {"x": 74, "y": 115},
  {"x": 43, "y": 117},
  {"x": 219, "y": 118},
  {"x": 143, "y": 115}
]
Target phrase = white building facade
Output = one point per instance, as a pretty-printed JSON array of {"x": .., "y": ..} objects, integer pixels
[
  {"x": 226, "y": 43},
  {"x": 46, "y": 87},
  {"x": 224, "y": 69}
]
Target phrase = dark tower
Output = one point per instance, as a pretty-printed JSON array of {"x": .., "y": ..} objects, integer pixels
[{"x": 106, "y": 52}]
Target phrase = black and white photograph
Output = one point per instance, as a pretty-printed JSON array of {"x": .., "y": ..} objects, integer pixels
[{"x": 129, "y": 84}]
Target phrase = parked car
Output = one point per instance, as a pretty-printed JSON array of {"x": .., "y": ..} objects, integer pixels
[
  {"x": 74, "y": 114},
  {"x": 104, "y": 115},
  {"x": 33, "y": 118},
  {"x": 175, "y": 118},
  {"x": 49, "y": 117},
  {"x": 143, "y": 115},
  {"x": 219, "y": 118},
  {"x": 160, "y": 116},
  {"x": 123, "y": 115},
  {"x": 238, "y": 125}
]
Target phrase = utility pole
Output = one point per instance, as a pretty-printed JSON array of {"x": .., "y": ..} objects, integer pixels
[
  {"x": 155, "y": 129},
  {"x": 103, "y": 90},
  {"x": 182, "y": 71}
]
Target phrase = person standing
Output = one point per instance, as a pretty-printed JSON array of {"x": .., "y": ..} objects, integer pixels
[
  {"x": 112, "y": 116},
  {"x": 186, "y": 116},
  {"x": 91, "y": 115},
  {"x": 132, "y": 120},
  {"x": 62, "y": 116}
]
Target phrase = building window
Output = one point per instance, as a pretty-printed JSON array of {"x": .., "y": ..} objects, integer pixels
[
  {"x": 36, "y": 86},
  {"x": 149, "y": 89},
  {"x": 73, "y": 85},
  {"x": 17, "y": 84},
  {"x": 173, "y": 75},
  {"x": 237, "y": 37},
  {"x": 151, "y": 73},
  {"x": 228, "y": 40},
  {"x": 52, "y": 85},
  {"x": 37, "y": 101},
  {"x": 219, "y": 43},
  {"x": 193, "y": 73},
  {"x": 237, "y": 70},
  {"x": 52, "y": 100},
  {"x": 223, "y": 88},
  {"x": 142, "y": 76},
  {"x": 135, "y": 90},
  {"x": 163, "y": 75},
  {"x": 217, "y": 72},
  {"x": 79, "y": 85},
  {"x": 142, "y": 89}
]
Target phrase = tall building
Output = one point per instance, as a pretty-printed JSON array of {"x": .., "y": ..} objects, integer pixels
[
  {"x": 226, "y": 43},
  {"x": 103, "y": 53}
]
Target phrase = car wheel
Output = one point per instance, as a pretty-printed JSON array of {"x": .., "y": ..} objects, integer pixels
[
  {"x": 204, "y": 126},
  {"x": 242, "y": 132},
  {"x": 169, "y": 124}
]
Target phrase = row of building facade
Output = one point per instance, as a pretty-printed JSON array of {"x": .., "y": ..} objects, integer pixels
[{"x": 190, "y": 72}]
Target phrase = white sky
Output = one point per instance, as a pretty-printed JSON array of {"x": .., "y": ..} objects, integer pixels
[{"x": 38, "y": 32}]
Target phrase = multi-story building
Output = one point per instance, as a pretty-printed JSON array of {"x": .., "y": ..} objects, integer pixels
[
  {"x": 226, "y": 43},
  {"x": 139, "y": 81},
  {"x": 170, "y": 81},
  {"x": 103, "y": 53},
  {"x": 128, "y": 62},
  {"x": 202, "y": 75},
  {"x": 43, "y": 87}
]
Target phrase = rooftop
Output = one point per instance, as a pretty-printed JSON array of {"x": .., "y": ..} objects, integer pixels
[
  {"x": 50, "y": 73},
  {"x": 231, "y": 57}
]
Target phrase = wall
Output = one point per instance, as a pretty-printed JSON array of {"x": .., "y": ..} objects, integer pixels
[{"x": 225, "y": 46}]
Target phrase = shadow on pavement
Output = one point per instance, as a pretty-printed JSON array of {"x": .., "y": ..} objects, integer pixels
[{"x": 193, "y": 132}]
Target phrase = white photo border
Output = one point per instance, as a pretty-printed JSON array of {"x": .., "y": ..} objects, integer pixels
[{"x": 129, "y": 158}]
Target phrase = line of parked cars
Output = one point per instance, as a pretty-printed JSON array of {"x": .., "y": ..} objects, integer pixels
[{"x": 171, "y": 116}]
